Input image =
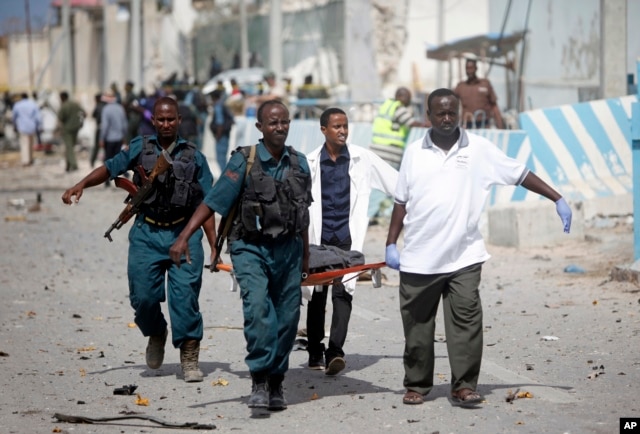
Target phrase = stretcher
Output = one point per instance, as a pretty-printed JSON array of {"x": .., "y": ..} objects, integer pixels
[{"x": 326, "y": 277}]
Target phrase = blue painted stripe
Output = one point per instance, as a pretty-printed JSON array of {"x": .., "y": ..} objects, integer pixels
[
  {"x": 567, "y": 136},
  {"x": 621, "y": 117},
  {"x": 594, "y": 127},
  {"x": 540, "y": 148}
]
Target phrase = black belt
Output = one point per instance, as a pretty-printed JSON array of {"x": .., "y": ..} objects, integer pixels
[{"x": 163, "y": 224}]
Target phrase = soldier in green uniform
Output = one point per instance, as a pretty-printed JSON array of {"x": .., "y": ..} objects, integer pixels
[
  {"x": 269, "y": 246},
  {"x": 176, "y": 195}
]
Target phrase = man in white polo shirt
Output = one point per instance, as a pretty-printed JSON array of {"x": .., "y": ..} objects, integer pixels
[{"x": 442, "y": 186}]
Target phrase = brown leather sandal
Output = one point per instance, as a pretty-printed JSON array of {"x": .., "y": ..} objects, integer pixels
[
  {"x": 465, "y": 398},
  {"x": 413, "y": 398}
]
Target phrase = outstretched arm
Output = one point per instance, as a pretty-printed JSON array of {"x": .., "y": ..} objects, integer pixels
[
  {"x": 96, "y": 177},
  {"x": 533, "y": 183}
]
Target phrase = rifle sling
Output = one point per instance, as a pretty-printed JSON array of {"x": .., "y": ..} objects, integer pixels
[{"x": 227, "y": 222}]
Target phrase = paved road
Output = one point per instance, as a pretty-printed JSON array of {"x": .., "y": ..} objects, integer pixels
[{"x": 66, "y": 342}]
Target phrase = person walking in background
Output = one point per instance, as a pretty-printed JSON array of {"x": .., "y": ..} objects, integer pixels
[
  {"x": 342, "y": 177},
  {"x": 478, "y": 99},
  {"x": 114, "y": 125},
  {"x": 133, "y": 110},
  {"x": 444, "y": 181},
  {"x": 190, "y": 122},
  {"x": 96, "y": 114},
  {"x": 116, "y": 92},
  {"x": 269, "y": 246},
  {"x": 27, "y": 122},
  {"x": 391, "y": 127},
  {"x": 70, "y": 118},
  {"x": 176, "y": 195},
  {"x": 221, "y": 124},
  {"x": 275, "y": 91}
]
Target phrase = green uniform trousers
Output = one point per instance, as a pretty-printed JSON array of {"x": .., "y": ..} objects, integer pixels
[
  {"x": 269, "y": 275},
  {"x": 419, "y": 299},
  {"x": 150, "y": 269},
  {"x": 70, "y": 138}
]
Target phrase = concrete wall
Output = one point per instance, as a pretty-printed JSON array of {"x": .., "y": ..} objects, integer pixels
[{"x": 18, "y": 61}]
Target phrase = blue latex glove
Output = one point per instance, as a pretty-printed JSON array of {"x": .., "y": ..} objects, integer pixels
[
  {"x": 392, "y": 257},
  {"x": 563, "y": 210}
]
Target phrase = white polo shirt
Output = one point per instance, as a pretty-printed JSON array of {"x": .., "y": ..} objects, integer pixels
[{"x": 444, "y": 194}]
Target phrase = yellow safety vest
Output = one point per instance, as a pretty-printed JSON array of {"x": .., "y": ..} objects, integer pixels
[{"x": 383, "y": 132}]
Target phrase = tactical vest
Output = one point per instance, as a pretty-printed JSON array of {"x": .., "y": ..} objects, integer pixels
[
  {"x": 270, "y": 208},
  {"x": 177, "y": 192},
  {"x": 383, "y": 129}
]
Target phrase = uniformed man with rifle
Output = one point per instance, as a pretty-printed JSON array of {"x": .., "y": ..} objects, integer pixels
[{"x": 171, "y": 178}]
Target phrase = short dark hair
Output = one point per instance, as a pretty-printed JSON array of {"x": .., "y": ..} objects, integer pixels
[
  {"x": 64, "y": 95},
  {"x": 443, "y": 91},
  {"x": 324, "y": 117},
  {"x": 267, "y": 103},
  {"x": 165, "y": 100}
]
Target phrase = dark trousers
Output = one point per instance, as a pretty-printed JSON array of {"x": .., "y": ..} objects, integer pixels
[
  {"x": 316, "y": 307},
  {"x": 419, "y": 298},
  {"x": 111, "y": 148}
]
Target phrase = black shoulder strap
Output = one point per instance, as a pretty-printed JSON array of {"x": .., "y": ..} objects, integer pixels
[{"x": 249, "y": 153}]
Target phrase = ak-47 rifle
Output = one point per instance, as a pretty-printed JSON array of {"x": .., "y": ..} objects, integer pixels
[
  {"x": 137, "y": 196},
  {"x": 227, "y": 221}
]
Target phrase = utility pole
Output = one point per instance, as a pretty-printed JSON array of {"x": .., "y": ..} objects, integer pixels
[
  {"x": 635, "y": 158},
  {"x": 136, "y": 43},
  {"x": 29, "y": 47},
  {"x": 275, "y": 38},
  {"x": 67, "y": 66},
  {"x": 105, "y": 44},
  {"x": 613, "y": 48},
  {"x": 244, "y": 37},
  {"x": 441, "y": 23}
]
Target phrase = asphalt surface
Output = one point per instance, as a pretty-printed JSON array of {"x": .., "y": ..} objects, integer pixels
[{"x": 569, "y": 340}]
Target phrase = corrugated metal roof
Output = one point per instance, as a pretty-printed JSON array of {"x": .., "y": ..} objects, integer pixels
[
  {"x": 78, "y": 3},
  {"x": 487, "y": 45}
]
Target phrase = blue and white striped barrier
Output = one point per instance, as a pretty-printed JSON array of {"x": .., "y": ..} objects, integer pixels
[{"x": 583, "y": 150}]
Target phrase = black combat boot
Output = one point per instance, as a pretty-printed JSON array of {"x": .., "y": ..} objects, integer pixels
[
  {"x": 276, "y": 393},
  {"x": 259, "y": 391}
]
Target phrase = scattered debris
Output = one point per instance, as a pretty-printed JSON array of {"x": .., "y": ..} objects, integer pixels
[
  {"x": 594, "y": 375},
  {"x": 512, "y": 396},
  {"x": 84, "y": 419},
  {"x": 142, "y": 401},
  {"x": 549, "y": 338},
  {"x": 573, "y": 269},
  {"x": 3, "y": 354},
  {"x": 125, "y": 390},
  {"x": 314, "y": 397},
  {"x": 220, "y": 382}
]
